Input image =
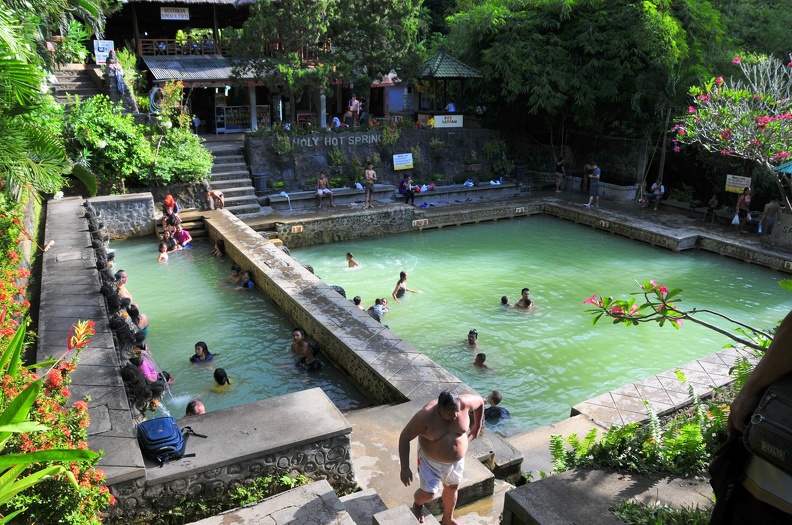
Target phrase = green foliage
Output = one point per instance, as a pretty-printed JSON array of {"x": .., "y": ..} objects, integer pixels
[
  {"x": 374, "y": 159},
  {"x": 436, "y": 144},
  {"x": 390, "y": 134},
  {"x": 119, "y": 149},
  {"x": 473, "y": 159},
  {"x": 278, "y": 185},
  {"x": 636, "y": 513},
  {"x": 181, "y": 157},
  {"x": 133, "y": 78},
  {"x": 682, "y": 194},
  {"x": 416, "y": 155},
  {"x": 282, "y": 144},
  {"x": 336, "y": 157},
  {"x": 72, "y": 47},
  {"x": 494, "y": 149}
]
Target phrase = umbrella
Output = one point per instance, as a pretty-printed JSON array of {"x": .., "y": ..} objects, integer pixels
[{"x": 784, "y": 168}]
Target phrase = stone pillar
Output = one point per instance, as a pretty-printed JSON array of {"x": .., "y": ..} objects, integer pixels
[
  {"x": 322, "y": 109},
  {"x": 253, "y": 114}
]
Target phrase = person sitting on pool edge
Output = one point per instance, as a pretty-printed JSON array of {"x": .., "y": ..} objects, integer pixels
[
  {"x": 525, "y": 302},
  {"x": 194, "y": 408},
  {"x": 478, "y": 362},
  {"x": 495, "y": 412},
  {"x": 222, "y": 381},
  {"x": 472, "y": 338},
  {"x": 202, "y": 354}
]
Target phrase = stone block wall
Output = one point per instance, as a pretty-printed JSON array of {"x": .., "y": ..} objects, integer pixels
[{"x": 126, "y": 215}]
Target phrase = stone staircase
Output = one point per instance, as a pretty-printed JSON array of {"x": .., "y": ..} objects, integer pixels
[
  {"x": 230, "y": 175},
  {"x": 75, "y": 79}
]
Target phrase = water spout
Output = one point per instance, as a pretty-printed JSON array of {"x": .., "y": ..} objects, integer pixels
[{"x": 284, "y": 194}]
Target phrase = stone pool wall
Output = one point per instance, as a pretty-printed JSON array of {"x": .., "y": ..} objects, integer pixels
[{"x": 129, "y": 215}]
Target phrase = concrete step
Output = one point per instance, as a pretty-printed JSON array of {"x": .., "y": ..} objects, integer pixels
[
  {"x": 226, "y": 167},
  {"x": 82, "y": 92},
  {"x": 225, "y": 148},
  {"x": 231, "y": 183},
  {"x": 534, "y": 445},
  {"x": 312, "y": 503},
  {"x": 244, "y": 209},
  {"x": 401, "y": 515},
  {"x": 225, "y": 159},
  {"x": 242, "y": 199},
  {"x": 494, "y": 451},
  {"x": 230, "y": 174},
  {"x": 586, "y": 496},
  {"x": 363, "y": 505},
  {"x": 237, "y": 191}
]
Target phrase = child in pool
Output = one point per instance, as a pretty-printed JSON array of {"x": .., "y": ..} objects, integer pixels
[
  {"x": 222, "y": 381},
  {"x": 202, "y": 354},
  {"x": 247, "y": 281},
  {"x": 163, "y": 253}
]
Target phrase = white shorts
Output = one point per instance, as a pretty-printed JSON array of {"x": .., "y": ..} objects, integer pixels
[
  {"x": 323, "y": 191},
  {"x": 435, "y": 474}
]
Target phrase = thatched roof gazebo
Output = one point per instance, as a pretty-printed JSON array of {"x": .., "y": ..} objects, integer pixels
[{"x": 444, "y": 68}]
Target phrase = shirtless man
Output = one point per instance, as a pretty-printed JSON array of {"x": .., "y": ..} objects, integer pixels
[
  {"x": 368, "y": 184},
  {"x": 299, "y": 343},
  {"x": 351, "y": 260},
  {"x": 443, "y": 436},
  {"x": 770, "y": 216},
  {"x": 525, "y": 302},
  {"x": 323, "y": 188},
  {"x": 472, "y": 338}
]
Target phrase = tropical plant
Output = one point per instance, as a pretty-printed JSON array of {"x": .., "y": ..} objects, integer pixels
[
  {"x": 71, "y": 48},
  {"x": 336, "y": 157},
  {"x": 472, "y": 159},
  {"x": 180, "y": 157},
  {"x": 638, "y": 513},
  {"x": 48, "y": 473},
  {"x": 416, "y": 155},
  {"x": 435, "y": 143},
  {"x": 749, "y": 117},
  {"x": 282, "y": 144},
  {"x": 390, "y": 134}
]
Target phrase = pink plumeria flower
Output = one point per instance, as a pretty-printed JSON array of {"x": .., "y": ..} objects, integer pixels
[
  {"x": 719, "y": 80},
  {"x": 691, "y": 109},
  {"x": 736, "y": 60},
  {"x": 677, "y": 322},
  {"x": 593, "y": 300}
]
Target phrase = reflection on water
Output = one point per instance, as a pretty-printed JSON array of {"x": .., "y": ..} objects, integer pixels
[
  {"x": 191, "y": 299},
  {"x": 551, "y": 358}
]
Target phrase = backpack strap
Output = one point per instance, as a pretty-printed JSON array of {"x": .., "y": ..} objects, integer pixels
[{"x": 188, "y": 431}]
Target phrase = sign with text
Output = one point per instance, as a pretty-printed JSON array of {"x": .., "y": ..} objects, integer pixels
[
  {"x": 737, "y": 184},
  {"x": 448, "y": 121},
  {"x": 338, "y": 139},
  {"x": 102, "y": 49},
  {"x": 174, "y": 13},
  {"x": 402, "y": 161}
]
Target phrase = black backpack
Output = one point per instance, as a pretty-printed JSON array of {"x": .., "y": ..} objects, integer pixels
[{"x": 161, "y": 439}]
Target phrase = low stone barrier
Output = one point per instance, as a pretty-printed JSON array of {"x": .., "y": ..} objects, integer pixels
[
  {"x": 301, "y": 200},
  {"x": 459, "y": 192},
  {"x": 124, "y": 216}
]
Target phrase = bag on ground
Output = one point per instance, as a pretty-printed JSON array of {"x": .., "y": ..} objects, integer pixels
[
  {"x": 736, "y": 220},
  {"x": 162, "y": 440}
]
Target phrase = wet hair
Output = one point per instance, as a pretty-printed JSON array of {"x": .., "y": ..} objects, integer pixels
[
  {"x": 220, "y": 377},
  {"x": 134, "y": 312},
  {"x": 349, "y": 254},
  {"x": 505, "y": 299},
  {"x": 247, "y": 274},
  {"x": 481, "y": 357},
  {"x": 192, "y": 407},
  {"x": 220, "y": 244},
  {"x": 524, "y": 290},
  {"x": 377, "y": 301},
  {"x": 236, "y": 268},
  {"x": 496, "y": 397},
  {"x": 202, "y": 346},
  {"x": 402, "y": 276},
  {"x": 357, "y": 300},
  {"x": 449, "y": 400},
  {"x": 474, "y": 332},
  {"x": 126, "y": 302},
  {"x": 298, "y": 329},
  {"x": 163, "y": 245}
]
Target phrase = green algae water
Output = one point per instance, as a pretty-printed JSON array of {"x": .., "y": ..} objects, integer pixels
[
  {"x": 548, "y": 359},
  {"x": 191, "y": 298}
]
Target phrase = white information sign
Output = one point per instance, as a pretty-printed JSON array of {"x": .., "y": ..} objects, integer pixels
[
  {"x": 402, "y": 161},
  {"x": 174, "y": 13},
  {"x": 737, "y": 184},
  {"x": 102, "y": 49},
  {"x": 448, "y": 121}
]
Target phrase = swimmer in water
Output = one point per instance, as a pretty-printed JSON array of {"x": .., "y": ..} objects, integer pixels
[
  {"x": 401, "y": 287},
  {"x": 351, "y": 260}
]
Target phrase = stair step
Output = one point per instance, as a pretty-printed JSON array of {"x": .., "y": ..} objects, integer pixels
[
  {"x": 362, "y": 505},
  {"x": 244, "y": 191},
  {"x": 229, "y": 166},
  {"x": 241, "y": 200},
  {"x": 231, "y": 176},
  {"x": 225, "y": 159},
  {"x": 245, "y": 209},
  {"x": 401, "y": 515},
  {"x": 231, "y": 183}
]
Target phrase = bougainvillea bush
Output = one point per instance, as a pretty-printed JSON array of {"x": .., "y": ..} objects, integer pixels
[{"x": 13, "y": 275}]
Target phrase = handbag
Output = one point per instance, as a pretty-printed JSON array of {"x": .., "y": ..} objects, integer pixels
[
  {"x": 769, "y": 432},
  {"x": 736, "y": 220}
]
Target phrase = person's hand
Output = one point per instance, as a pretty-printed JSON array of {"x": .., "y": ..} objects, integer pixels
[
  {"x": 741, "y": 410},
  {"x": 406, "y": 476}
]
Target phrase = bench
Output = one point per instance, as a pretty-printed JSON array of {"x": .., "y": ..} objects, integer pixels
[
  {"x": 302, "y": 200},
  {"x": 453, "y": 193}
]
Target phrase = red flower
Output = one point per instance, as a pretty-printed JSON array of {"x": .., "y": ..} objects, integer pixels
[
  {"x": 719, "y": 80},
  {"x": 736, "y": 60}
]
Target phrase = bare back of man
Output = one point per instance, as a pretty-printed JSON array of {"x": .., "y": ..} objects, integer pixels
[{"x": 443, "y": 431}]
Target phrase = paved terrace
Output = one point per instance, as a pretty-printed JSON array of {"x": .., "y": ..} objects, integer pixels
[{"x": 375, "y": 431}]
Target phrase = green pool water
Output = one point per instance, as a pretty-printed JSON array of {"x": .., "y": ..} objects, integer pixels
[
  {"x": 192, "y": 298},
  {"x": 546, "y": 360}
]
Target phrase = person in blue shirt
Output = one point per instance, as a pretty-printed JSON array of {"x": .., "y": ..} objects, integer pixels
[
  {"x": 247, "y": 281},
  {"x": 202, "y": 354}
]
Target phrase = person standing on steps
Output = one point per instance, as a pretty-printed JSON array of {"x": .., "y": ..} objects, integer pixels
[
  {"x": 594, "y": 177},
  {"x": 443, "y": 431}
]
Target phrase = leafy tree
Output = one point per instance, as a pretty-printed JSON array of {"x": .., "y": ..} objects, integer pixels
[
  {"x": 284, "y": 45},
  {"x": 748, "y": 117},
  {"x": 372, "y": 38},
  {"x": 761, "y": 26}
]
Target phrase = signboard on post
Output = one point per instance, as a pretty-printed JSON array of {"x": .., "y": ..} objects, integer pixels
[
  {"x": 402, "y": 161},
  {"x": 737, "y": 184},
  {"x": 174, "y": 13},
  {"x": 448, "y": 121},
  {"x": 102, "y": 49}
]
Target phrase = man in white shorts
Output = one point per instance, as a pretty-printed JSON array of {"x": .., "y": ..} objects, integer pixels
[
  {"x": 442, "y": 429},
  {"x": 323, "y": 188}
]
